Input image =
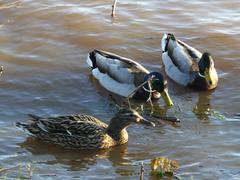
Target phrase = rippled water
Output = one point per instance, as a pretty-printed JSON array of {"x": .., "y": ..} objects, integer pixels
[{"x": 43, "y": 48}]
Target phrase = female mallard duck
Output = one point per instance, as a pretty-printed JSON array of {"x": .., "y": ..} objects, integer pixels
[
  {"x": 186, "y": 65},
  {"x": 84, "y": 131},
  {"x": 121, "y": 76}
]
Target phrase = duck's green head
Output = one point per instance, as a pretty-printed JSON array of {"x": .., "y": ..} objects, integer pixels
[
  {"x": 159, "y": 84},
  {"x": 127, "y": 116},
  {"x": 206, "y": 67}
]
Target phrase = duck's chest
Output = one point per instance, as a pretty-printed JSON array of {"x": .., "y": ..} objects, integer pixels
[
  {"x": 198, "y": 83},
  {"x": 115, "y": 139}
]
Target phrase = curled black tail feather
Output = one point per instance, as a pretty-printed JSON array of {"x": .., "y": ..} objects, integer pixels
[{"x": 92, "y": 57}]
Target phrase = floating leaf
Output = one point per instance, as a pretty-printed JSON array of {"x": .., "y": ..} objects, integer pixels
[{"x": 163, "y": 166}]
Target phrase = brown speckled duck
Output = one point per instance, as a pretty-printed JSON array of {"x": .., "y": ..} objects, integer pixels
[{"x": 84, "y": 131}]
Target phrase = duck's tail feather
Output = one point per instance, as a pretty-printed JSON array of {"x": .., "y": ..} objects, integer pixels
[
  {"x": 21, "y": 125},
  {"x": 91, "y": 59},
  {"x": 165, "y": 40}
]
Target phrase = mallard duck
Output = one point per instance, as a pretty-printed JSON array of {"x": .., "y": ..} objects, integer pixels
[
  {"x": 187, "y": 66},
  {"x": 83, "y": 131},
  {"x": 121, "y": 76}
]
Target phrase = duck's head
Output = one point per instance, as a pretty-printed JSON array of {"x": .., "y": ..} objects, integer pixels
[
  {"x": 206, "y": 69},
  {"x": 125, "y": 117},
  {"x": 159, "y": 85}
]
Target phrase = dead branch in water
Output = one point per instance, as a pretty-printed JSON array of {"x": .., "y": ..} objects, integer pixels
[
  {"x": 172, "y": 119},
  {"x": 141, "y": 171},
  {"x": 114, "y": 8},
  {"x": 137, "y": 88},
  {"x": 1, "y": 70}
]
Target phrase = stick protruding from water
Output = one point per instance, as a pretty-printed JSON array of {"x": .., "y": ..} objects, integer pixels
[
  {"x": 114, "y": 8},
  {"x": 1, "y": 70},
  {"x": 141, "y": 171}
]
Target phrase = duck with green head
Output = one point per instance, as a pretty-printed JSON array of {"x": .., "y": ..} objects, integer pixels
[
  {"x": 84, "y": 131},
  {"x": 122, "y": 76},
  {"x": 187, "y": 66}
]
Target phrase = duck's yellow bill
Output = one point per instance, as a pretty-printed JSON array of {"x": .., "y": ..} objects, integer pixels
[
  {"x": 166, "y": 98},
  {"x": 207, "y": 76}
]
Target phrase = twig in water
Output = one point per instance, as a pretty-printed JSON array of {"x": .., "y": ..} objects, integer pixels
[
  {"x": 1, "y": 70},
  {"x": 114, "y": 8},
  {"x": 135, "y": 90},
  {"x": 150, "y": 96},
  {"x": 172, "y": 119},
  {"x": 141, "y": 171}
]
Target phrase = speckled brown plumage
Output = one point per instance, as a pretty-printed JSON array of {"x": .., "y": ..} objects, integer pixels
[{"x": 83, "y": 131}]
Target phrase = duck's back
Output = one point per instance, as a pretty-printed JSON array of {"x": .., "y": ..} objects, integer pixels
[
  {"x": 183, "y": 56},
  {"x": 76, "y": 131},
  {"x": 117, "y": 74}
]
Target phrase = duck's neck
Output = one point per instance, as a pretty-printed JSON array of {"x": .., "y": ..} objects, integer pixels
[
  {"x": 199, "y": 82},
  {"x": 117, "y": 131}
]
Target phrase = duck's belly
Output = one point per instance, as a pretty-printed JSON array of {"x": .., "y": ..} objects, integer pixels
[{"x": 122, "y": 89}]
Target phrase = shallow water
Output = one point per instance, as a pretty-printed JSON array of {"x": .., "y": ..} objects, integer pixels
[{"x": 43, "y": 48}]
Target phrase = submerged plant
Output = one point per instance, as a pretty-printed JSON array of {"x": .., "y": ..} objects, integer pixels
[
  {"x": 19, "y": 172},
  {"x": 163, "y": 166}
]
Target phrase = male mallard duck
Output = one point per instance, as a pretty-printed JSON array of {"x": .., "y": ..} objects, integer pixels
[
  {"x": 186, "y": 65},
  {"x": 121, "y": 76},
  {"x": 84, "y": 131}
]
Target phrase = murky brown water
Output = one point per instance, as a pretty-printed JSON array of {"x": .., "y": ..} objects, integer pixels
[{"x": 43, "y": 47}]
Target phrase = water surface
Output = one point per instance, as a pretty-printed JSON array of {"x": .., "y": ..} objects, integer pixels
[{"x": 43, "y": 48}]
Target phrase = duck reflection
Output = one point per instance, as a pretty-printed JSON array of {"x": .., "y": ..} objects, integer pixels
[
  {"x": 203, "y": 107},
  {"x": 76, "y": 160}
]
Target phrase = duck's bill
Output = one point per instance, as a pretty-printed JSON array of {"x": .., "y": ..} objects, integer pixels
[
  {"x": 166, "y": 98},
  {"x": 207, "y": 76},
  {"x": 146, "y": 122}
]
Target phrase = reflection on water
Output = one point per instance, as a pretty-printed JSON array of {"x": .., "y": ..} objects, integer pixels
[
  {"x": 75, "y": 160},
  {"x": 203, "y": 106}
]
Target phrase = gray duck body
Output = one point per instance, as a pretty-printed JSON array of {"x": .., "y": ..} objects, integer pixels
[{"x": 186, "y": 65}]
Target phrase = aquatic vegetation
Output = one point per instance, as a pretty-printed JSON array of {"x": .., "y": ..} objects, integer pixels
[
  {"x": 18, "y": 172},
  {"x": 163, "y": 166}
]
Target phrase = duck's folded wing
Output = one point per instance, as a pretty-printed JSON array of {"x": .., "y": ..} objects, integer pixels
[
  {"x": 183, "y": 56},
  {"x": 174, "y": 72},
  {"x": 70, "y": 125},
  {"x": 118, "y": 68}
]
